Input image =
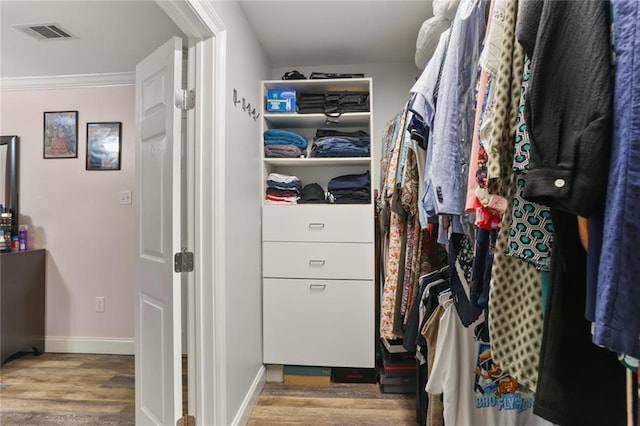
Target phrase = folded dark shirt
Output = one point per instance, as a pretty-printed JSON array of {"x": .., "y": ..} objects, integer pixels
[
  {"x": 350, "y": 196},
  {"x": 349, "y": 181}
]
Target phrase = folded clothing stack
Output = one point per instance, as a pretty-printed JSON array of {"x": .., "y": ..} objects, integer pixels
[
  {"x": 282, "y": 189},
  {"x": 284, "y": 144},
  {"x": 336, "y": 143},
  {"x": 350, "y": 189}
]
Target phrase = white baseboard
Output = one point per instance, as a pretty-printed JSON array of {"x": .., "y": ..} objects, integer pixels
[
  {"x": 89, "y": 345},
  {"x": 250, "y": 400}
]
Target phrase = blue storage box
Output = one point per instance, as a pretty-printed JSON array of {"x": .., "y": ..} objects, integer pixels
[{"x": 281, "y": 100}]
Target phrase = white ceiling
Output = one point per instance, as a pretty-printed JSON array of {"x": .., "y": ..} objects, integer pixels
[
  {"x": 331, "y": 32},
  {"x": 114, "y": 35}
]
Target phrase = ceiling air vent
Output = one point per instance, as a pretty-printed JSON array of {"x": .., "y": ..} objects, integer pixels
[{"x": 45, "y": 31}]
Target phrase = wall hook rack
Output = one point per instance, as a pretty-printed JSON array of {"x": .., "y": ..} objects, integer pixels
[{"x": 246, "y": 105}]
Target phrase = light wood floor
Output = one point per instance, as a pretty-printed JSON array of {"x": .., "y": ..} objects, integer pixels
[
  {"x": 339, "y": 404},
  {"x": 67, "y": 389},
  {"x": 73, "y": 389}
]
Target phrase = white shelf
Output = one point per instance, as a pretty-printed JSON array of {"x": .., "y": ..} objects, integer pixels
[
  {"x": 319, "y": 162},
  {"x": 295, "y": 120},
  {"x": 317, "y": 85}
]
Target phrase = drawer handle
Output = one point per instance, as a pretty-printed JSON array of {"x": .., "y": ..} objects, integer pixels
[
  {"x": 318, "y": 225},
  {"x": 317, "y": 286},
  {"x": 317, "y": 262}
]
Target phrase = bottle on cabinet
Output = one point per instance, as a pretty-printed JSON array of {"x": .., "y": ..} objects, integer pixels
[
  {"x": 6, "y": 224},
  {"x": 15, "y": 244},
  {"x": 22, "y": 238},
  {"x": 3, "y": 241}
]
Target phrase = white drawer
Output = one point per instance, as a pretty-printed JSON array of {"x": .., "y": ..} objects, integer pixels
[
  {"x": 329, "y": 223},
  {"x": 349, "y": 261},
  {"x": 319, "y": 322}
]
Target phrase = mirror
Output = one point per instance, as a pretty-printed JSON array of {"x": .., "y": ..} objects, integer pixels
[{"x": 9, "y": 169}]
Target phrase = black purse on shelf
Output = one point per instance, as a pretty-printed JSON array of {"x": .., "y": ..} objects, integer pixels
[
  {"x": 332, "y": 103},
  {"x": 293, "y": 75},
  {"x": 332, "y": 75}
]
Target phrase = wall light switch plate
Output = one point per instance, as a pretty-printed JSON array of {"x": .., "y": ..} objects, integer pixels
[
  {"x": 100, "y": 304},
  {"x": 126, "y": 197}
]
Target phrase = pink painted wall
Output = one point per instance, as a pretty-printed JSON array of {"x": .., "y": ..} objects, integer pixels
[{"x": 75, "y": 214}]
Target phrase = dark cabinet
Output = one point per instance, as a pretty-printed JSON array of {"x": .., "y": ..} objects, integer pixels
[{"x": 22, "y": 295}]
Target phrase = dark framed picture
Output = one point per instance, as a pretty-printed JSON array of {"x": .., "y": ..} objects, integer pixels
[
  {"x": 104, "y": 141},
  {"x": 60, "y": 134}
]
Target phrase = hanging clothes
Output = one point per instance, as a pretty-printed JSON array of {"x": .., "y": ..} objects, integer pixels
[
  {"x": 515, "y": 308},
  {"x": 416, "y": 253},
  {"x": 423, "y": 256},
  {"x": 505, "y": 103},
  {"x": 531, "y": 228},
  {"x": 525, "y": 277},
  {"x": 617, "y": 317},
  {"x": 425, "y": 97},
  {"x": 476, "y": 390},
  {"x": 569, "y": 106},
  {"x": 395, "y": 237},
  {"x": 568, "y": 114},
  {"x": 435, "y": 411},
  {"x": 571, "y": 366},
  {"x": 407, "y": 240},
  {"x": 453, "y": 120}
]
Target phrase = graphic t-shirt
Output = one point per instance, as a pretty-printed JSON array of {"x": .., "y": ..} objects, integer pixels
[{"x": 475, "y": 390}]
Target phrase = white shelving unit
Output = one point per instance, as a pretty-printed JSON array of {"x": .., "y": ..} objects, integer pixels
[{"x": 318, "y": 259}]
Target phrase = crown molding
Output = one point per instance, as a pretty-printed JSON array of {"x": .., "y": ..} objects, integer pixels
[{"x": 68, "y": 81}]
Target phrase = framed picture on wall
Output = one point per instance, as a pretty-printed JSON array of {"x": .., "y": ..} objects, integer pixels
[
  {"x": 104, "y": 141},
  {"x": 60, "y": 134}
]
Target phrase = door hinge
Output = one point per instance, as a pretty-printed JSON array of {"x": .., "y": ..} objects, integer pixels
[
  {"x": 185, "y": 99},
  {"x": 183, "y": 261},
  {"x": 186, "y": 421}
]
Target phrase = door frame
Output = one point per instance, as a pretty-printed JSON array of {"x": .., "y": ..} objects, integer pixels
[{"x": 207, "y": 43}]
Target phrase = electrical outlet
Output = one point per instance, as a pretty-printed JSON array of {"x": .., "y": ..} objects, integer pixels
[
  {"x": 125, "y": 197},
  {"x": 99, "y": 304}
]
